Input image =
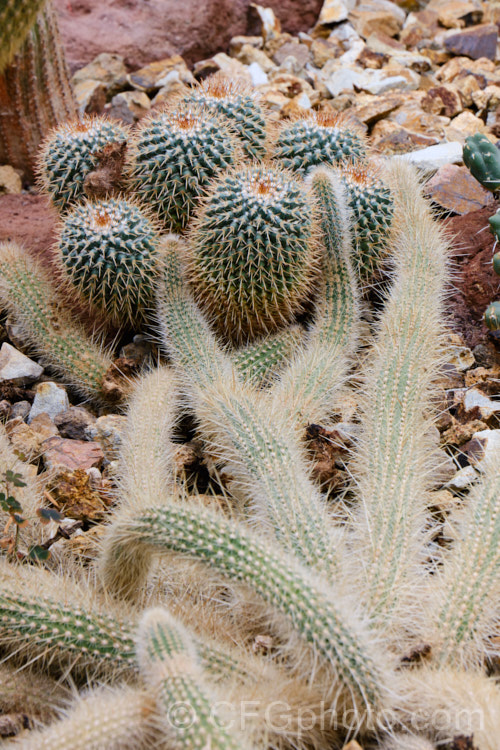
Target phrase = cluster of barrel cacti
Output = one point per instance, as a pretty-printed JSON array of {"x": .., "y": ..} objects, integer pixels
[
  {"x": 482, "y": 158},
  {"x": 369, "y": 629}
]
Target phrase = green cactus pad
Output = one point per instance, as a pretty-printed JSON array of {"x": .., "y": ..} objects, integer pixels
[
  {"x": 492, "y": 316},
  {"x": 69, "y": 153},
  {"x": 495, "y": 224},
  {"x": 109, "y": 251},
  {"x": 175, "y": 155},
  {"x": 319, "y": 138},
  {"x": 372, "y": 207},
  {"x": 238, "y": 103},
  {"x": 482, "y": 158},
  {"x": 254, "y": 251},
  {"x": 496, "y": 263}
]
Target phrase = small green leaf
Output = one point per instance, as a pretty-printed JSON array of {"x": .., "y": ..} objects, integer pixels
[
  {"x": 37, "y": 553},
  {"x": 19, "y": 520},
  {"x": 13, "y": 505},
  {"x": 48, "y": 514},
  {"x": 15, "y": 479}
]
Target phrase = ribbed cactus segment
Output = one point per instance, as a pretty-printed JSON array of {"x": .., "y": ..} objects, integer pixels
[
  {"x": 237, "y": 101},
  {"x": 69, "y": 153},
  {"x": 492, "y": 316},
  {"x": 253, "y": 251},
  {"x": 307, "y": 389},
  {"x": 372, "y": 207},
  {"x": 168, "y": 663},
  {"x": 260, "y": 362},
  {"x": 320, "y": 619},
  {"x": 16, "y": 19},
  {"x": 109, "y": 251},
  {"x": 462, "y": 589},
  {"x": 496, "y": 263},
  {"x": 122, "y": 719},
  {"x": 174, "y": 157},
  {"x": 494, "y": 222},
  {"x": 319, "y": 138},
  {"x": 30, "y": 298},
  {"x": 394, "y": 462},
  {"x": 46, "y": 629},
  {"x": 265, "y": 459},
  {"x": 482, "y": 158}
]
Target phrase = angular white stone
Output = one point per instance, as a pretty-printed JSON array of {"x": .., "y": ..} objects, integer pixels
[
  {"x": 16, "y": 367},
  {"x": 50, "y": 399},
  {"x": 259, "y": 76},
  {"x": 463, "y": 478},
  {"x": 433, "y": 157}
]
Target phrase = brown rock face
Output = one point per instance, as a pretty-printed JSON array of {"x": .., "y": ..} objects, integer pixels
[
  {"x": 145, "y": 30},
  {"x": 479, "y": 41}
]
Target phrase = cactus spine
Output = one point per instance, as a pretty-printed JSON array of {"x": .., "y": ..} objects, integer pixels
[
  {"x": 28, "y": 295},
  {"x": 253, "y": 251},
  {"x": 16, "y": 19},
  {"x": 320, "y": 619},
  {"x": 109, "y": 251},
  {"x": 35, "y": 92},
  {"x": 394, "y": 462},
  {"x": 259, "y": 363}
]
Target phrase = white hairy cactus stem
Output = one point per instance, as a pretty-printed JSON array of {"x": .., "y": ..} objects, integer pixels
[
  {"x": 321, "y": 618},
  {"x": 308, "y": 387},
  {"x": 394, "y": 463},
  {"x": 264, "y": 458},
  {"x": 169, "y": 664}
]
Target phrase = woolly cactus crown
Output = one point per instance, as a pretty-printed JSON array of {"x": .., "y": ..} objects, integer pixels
[
  {"x": 69, "y": 153},
  {"x": 109, "y": 251},
  {"x": 254, "y": 250},
  {"x": 175, "y": 155},
  {"x": 237, "y": 101},
  {"x": 319, "y": 138}
]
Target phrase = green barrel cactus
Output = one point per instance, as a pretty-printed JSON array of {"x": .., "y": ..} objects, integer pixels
[
  {"x": 494, "y": 222},
  {"x": 238, "y": 103},
  {"x": 109, "y": 251},
  {"x": 174, "y": 157},
  {"x": 482, "y": 158},
  {"x": 496, "y": 263},
  {"x": 254, "y": 251},
  {"x": 69, "y": 153},
  {"x": 372, "y": 206},
  {"x": 319, "y": 138},
  {"x": 492, "y": 316}
]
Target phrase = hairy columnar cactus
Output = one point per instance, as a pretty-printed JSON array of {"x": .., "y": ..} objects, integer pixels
[
  {"x": 16, "y": 19},
  {"x": 258, "y": 363},
  {"x": 238, "y": 102},
  {"x": 482, "y": 158},
  {"x": 318, "y": 615},
  {"x": 253, "y": 251},
  {"x": 110, "y": 252},
  {"x": 62, "y": 344},
  {"x": 174, "y": 156},
  {"x": 308, "y": 387},
  {"x": 394, "y": 461},
  {"x": 372, "y": 208},
  {"x": 35, "y": 93},
  {"x": 461, "y": 607},
  {"x": 169, "y": 665},
  {"x": 124, "y": 719},
  {"x": 70, "y": 152},
  {"x": 319, "y": 138},
  {"x": 265, "y": 460}
]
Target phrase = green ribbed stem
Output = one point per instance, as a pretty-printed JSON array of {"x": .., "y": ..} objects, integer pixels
[
  {"x": 226, "y": 547},
  {"x": 260, "y": 362},
  {"x": 265, "y": 460},
  {"x": 307, "y": 389},
  {"x": 62, "y": 344},
  {"x": 168, "y": 662},
  {"x": 16, "y": 19}
]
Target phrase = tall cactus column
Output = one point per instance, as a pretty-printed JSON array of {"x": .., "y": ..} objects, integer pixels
[{"x": 35, "y": 93}]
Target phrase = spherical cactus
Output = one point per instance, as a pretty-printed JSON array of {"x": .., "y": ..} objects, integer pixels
[
  {"x": 319, "y": 138},
  {"x": 70, "y": 152},
  {"x": 175, "y": 155},
  {"x": 109, "y": 251},
  {"x": 496, "y": 263},
  {"x": 238, "y": 103},
  {"x": 372, "y": 206},
  {"x": 254, "y": 250},
  {"x": 495, "y": 224},
  {"x": 492, "y": 316},
  {"x": 482, "y": 158}
]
